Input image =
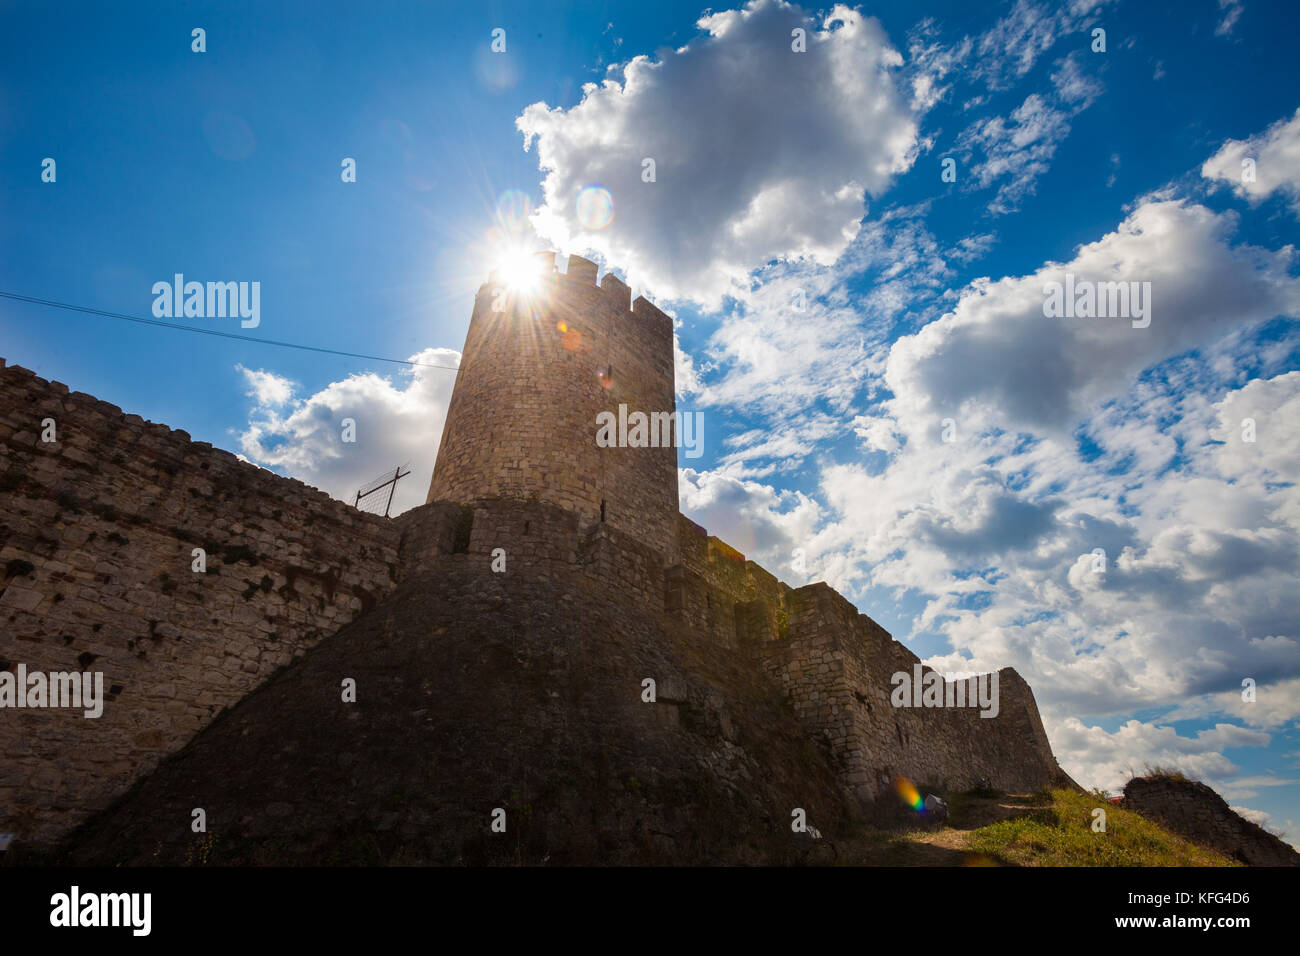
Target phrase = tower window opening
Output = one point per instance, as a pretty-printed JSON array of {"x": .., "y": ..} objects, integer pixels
[{"x": 602, "y": 509}]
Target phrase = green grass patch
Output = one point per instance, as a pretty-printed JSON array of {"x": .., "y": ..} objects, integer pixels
[{"x": 1061, "y": 834}]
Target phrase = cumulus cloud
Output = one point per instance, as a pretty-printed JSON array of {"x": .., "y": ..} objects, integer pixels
[
  {"x": 773, "y": 162},
  {"x": 270, "y": 390},
  {"x": 765, "y": 524},
  {"x": 1274, "y": 705},
  {"x": 996, "y": 357},
  {"x": 1074, "y": 435},
  {"x": 1276, "y": 163},
  {"x": 796, "y": 343},
  {"x": 397, "y": 422},
  {"x": 1108, "y": 760},
  {"x": 1258, "y": 817},
  {"x": 1257, "y": 428}
]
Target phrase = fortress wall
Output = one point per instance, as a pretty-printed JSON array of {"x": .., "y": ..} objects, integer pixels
[
  {"x": 529, "y": 532},
  {"x": 536, "y": 537},
  {"x": 716, "y": 590},
  {"x": 522, "y": 418},
  {"x": 699, "y": 609},
  {"x": 836, "y": 666},
  {"x": 429, "y": 533},
  {"x": 96, "y": 535},
  {"x": 631, "y": 568},
  {"x": 810, "y": 664}
]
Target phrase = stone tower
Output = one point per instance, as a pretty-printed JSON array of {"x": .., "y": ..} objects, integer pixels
[{"x": 538, "y": 367}]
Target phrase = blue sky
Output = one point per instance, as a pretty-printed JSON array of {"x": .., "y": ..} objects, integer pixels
[{"x": 781, "y": 176}]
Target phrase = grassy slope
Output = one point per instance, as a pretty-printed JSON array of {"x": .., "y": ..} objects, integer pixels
[
  {"x": 1059, "y": 833},
  {"x": 1046, "y": 829}
]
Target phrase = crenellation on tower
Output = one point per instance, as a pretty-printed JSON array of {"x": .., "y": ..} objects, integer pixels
[
  {"x": 581, "y": 271},
  {"x": 617, "y": 291}
]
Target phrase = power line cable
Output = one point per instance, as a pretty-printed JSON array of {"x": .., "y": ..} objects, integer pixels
[{"x": 226, "y": 335}]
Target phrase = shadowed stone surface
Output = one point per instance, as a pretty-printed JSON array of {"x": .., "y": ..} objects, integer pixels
[{"x": 1193, "y": 810}]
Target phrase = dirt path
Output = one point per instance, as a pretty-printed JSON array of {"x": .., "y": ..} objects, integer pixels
[{"x": 949, "y": 844}]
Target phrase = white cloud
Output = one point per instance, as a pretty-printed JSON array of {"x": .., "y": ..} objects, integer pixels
[
  {"x": 764, "y": 524},
  {"x": 797, "y": 347},
  {"x": 1018, "y": 149},
  {"x": 930, "y": 62},
  {"x": 1232, "y": 10},
  {"x": 1010, "y": 48},
  {"x": 778, "y": 362},
  {"x": 1196, "y": 594},
  {"x": 1275, "y": 705},
  {"x": 1276, "y": 155},
  {"x": 396, "y": 423},
  {"x": 685, "y": 376},
  {"x": 1096, "y": 758},
  {"x": 974, "y": 247},
  {"x": 996, "y": 357},
  {"x": 761, "y": 153},
  {"x": 267, "y": 388},
  {"x": 1270, "y": 408},
  {"x": 1258, "y": 817},
  {"x": 1000, "y": 56}
]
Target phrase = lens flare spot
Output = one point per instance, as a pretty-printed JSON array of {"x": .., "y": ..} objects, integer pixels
[
  {"x": 513, "y": 209},
  {"x": 907, "y": 790},
  {"x": 595, "y": 207}
]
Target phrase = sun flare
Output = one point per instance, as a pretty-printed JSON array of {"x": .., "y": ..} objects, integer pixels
[{"x": 518, "y": 268}]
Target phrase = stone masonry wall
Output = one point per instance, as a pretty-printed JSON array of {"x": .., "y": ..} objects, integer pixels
[
  {"x": 837, "y": 664},
  {"x": 97, "y": 531},
  {"x": 1193, "y": 810},
  {"x": 718, "y": 593},
  {"x": 534, "y": 376}
]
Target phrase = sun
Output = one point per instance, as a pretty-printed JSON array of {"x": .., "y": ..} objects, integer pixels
[{"x": 518, "y": 268}]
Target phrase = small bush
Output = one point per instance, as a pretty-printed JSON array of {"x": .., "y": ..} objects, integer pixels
[{"x": 1166, "y": 773}]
